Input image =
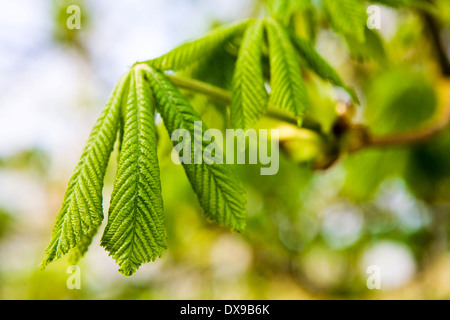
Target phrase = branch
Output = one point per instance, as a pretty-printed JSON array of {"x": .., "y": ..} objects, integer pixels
[
  {"x": 365, "y": 140},
  {"x": 435, "y": 29},
  {"x": 408, "y": 138},
  {"x": 361, "y": 137},
  {"x": 200, "y": 87},
  {"x": 225, "y": 97},
  {"x": 416, "y": 137}
]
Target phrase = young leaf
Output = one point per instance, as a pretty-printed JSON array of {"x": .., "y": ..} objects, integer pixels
[
  {"x": 249, "y": 93},
  {"x": 217, "y": 187},
  {"x": 287, "y": 88},
  {"x": 190, "y": 52},
  {"x": 347, "y": 17},
  {"x": 135, "y": 231},
  {"x": 318, "y": 64},
  {"x": 81, "y": 212}
]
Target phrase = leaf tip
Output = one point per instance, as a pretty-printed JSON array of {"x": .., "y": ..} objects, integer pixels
[{"x": 128, "y": 270}]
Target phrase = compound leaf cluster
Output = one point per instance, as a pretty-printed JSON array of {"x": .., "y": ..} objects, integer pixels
[
  {"x": 216, "y": 185},
  {"x": 266, "y": 71}
]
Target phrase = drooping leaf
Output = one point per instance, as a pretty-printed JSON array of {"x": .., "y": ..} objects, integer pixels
[
  {"x": 249, "y": 93},
  {"x": 81, "y": 212},
  {"x": 347, "y": 17},
  {"x": 399, "y": 100},
  {"x": 287, "y": 88},
  {"x": 319, "y": 65},
  {"x": 217, "y": 187},
  {"x": 135, "y": 231},
  {"x": 193, "y": 51}
]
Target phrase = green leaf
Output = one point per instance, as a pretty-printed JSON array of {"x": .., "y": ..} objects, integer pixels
[
  {"x": 249, "y": 93},
  {"x": 393, "y": 3},
  {"x": 81, "y": 212},
  {"x": 319, "y": 65},
  {"x": 217, "y": 186},
  {"x": 193, "y": 51},
  {"x": 135, "y": 231},
  {"x": 306, "y": 22},
  {"x": 287, "y": 88},
  {"x": 347, "y": 17},
  {"x": 428, "y": 169},
  {"x": 371, "y": 48},
  {"x": 366, "y": 170},
  {"x": 216, "y": 69},
  {"x": 285, "y": 8}
]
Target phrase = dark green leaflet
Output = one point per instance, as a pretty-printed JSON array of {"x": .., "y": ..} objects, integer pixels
[
  {"x": 287, "y": 88},
  {"x": 249, "y": 92},
  {"x": 347, "y": 17},
  {"x": 135, "y": 231},
  {"x": 217, "y": 187},
  {"x": 193, "y": 51},
  {"x": 81, "y": 212},
  {"x": 319, "y": 65}
]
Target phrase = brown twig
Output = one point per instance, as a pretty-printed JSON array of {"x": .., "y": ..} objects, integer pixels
[
  {"x": 361, "y": 138},
  {"x": 407, "y": 138}
]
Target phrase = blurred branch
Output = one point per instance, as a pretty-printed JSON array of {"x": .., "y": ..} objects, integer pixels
[
  {"x": 364, "y": 139},
  {"x": 200, "y": 87},
  {"x": 225, "y": 97},
  {"x": 361, "y": 137},
  {"x": 350, "y": 137},
  {"x": 435, "y": 31},
  {"x": 408, "y": 138}
]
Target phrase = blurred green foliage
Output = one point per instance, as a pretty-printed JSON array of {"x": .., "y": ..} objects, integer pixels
[{"x": 66, "y": 36}]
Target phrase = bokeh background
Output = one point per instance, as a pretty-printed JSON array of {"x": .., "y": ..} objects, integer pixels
[{"x": 310, "y": 235}]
